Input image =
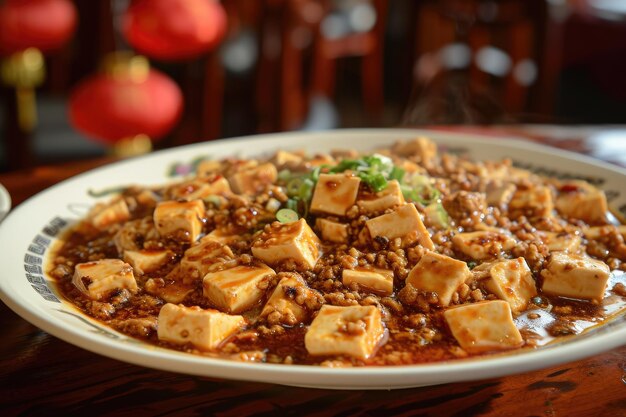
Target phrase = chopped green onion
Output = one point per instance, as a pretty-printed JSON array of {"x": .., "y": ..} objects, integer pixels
[
  {"x": 419, "y": 188},
  {"x": 377, "y": 182},
  {"x": 315, "y": 174},
  {"x": 396, "y": 174},
  {"x": 213, "y": 199},
  {"x": 285, "y": 175},
  {"x": 305, "y": 191},
  {"x": 437, "y": 215},
  {"x": 292, "y": 204},
  {"x": 293, "y": 187},
  {"x": 286, "y": 215},
  {"x": 472, "y": 265}
]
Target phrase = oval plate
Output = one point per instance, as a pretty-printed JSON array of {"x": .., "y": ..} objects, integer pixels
[{"x": 27, "y": 233}]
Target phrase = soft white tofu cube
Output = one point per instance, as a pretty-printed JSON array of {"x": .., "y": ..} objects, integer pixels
[
  {"x": 483, "y": 244},
  {"x": 237, "y": 289},
  {"x": 98, "y": 279},
  {"x": 225, "y": 236},
  {"x": 290, "y": 241},
  {"x": 439, "y": 274},
  {"x": 179, "y": 220},
  {"x": 511, "y": 281},
  {"x": 484, "y": 326},
  {"x": 204, "y": 329},
  {"x": 378, "y": 281},
  {"x": 208, "y": 167},
  {"x": 533, "y": 202},
  {"x": 352, "y": 331},
  {"x": 499, "y": 195},
  {"x": 252, "y": 181},
  {"x": 599, "y": 231},
  {"x": 404, "y": 222},
  {"x": 422, "y": 147},
  {"x": 321, "y": 159},
  {"x": 283, "y": 157},
  {"x": 170, "y": 291},
  {"x": 104, "y": 215},
  {"x": 198, "y": 259},
  {"x": 390, "y": 197},
  {"x": 145, "y": 260},
  {"x": 575, "y": 276},
  {"x": 283, "y": 301},
  {"x": 199, "y": 188},
  {"x": 332, "y": 231},
  {"x": 580, "y": 200},
  {"x": 335, "y": 194},
  {"x": 564, "y": 242}
]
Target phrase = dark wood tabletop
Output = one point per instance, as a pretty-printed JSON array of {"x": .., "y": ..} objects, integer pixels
[{"x": 41, "y": 375}]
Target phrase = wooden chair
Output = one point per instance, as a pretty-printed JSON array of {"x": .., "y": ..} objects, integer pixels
[{"x": 509, "y": 31}]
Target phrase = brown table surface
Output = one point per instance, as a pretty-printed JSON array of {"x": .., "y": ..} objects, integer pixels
[{"x": 43, "y": 375}]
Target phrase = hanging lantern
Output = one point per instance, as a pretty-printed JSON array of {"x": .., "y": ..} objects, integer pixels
[
  {"x": 126, "y": 104},
  {"x": 42, "y": 24},
  {"x": 174, "y": 29},
  {"x": 28, "y": 28}
]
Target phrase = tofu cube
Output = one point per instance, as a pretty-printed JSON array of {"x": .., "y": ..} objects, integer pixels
[
  {"x": 104, "y": 215},
  {"x": 204, "y": 329},
  {"x": 179, "y": 220},
  {"x": 564, "y": 242},
  {"x": 199, "y": 189},
  {"x": 378, "y": 281},
  {"x": 597, "y": 232},
  {"x": 512, "y": 281},
  {"x": 332, "y": 231},
  {"x": 440, "y": 274},
  {"x": 208, "y": 167},
  {"x": 289, "y": 241},
  {"x": 352, "y": 331},
  {"x": 321, "y": 159},
  {"x": 582, "y": 201},
  {"x": 335, "y": 194},
  {"x": 283, "y": 301},
  {"x": 198, "y": 259},
  {"x": 484, "y": 326},
  {"x": 483, "y": 244},
  {"x": 575, "y": 276},
  {"x": 533, "y": 202},
  {"x": 146, "y": 261},
  {"x": 390, "y": 197},
  {"x": 225, "y": 235},
  {"x": 422, "y": 147},
  {"x": 405, "y": 222},
  {"x": 283, "y": 157},
  {"x": 499, "y": 195},
  {"x": 98, "y": 279},
  {"x": 251, "y": 181},
  {"x": 170, "y": 291},
  {"x": 237, "y": 289}
]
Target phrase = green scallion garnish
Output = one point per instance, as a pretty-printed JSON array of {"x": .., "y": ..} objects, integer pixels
[{"x": 286, "y": 215}]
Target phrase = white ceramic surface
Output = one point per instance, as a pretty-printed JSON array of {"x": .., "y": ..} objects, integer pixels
[
  {"x": 5, "y": 202},
  {"x": 28, "y": 231}
]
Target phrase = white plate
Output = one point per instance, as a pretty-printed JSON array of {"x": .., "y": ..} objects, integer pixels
[
  {"x": 28, "y": 231},
  {"x": 5, "y": 202}
]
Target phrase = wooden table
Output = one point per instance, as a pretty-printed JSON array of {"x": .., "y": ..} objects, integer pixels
[{"x": 42, "y": 375}]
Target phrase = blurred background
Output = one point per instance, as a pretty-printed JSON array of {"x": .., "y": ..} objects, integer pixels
[{"x": 73, "y": 85}]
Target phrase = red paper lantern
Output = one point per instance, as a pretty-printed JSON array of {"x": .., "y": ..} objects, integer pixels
[
  {"x": 174, "y": 29},
  {"x": 42, "y": 24},
  {"x": 127, "y": 99}
]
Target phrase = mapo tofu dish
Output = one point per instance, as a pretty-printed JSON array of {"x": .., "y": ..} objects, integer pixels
[{"x": 403, "y": 255}]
